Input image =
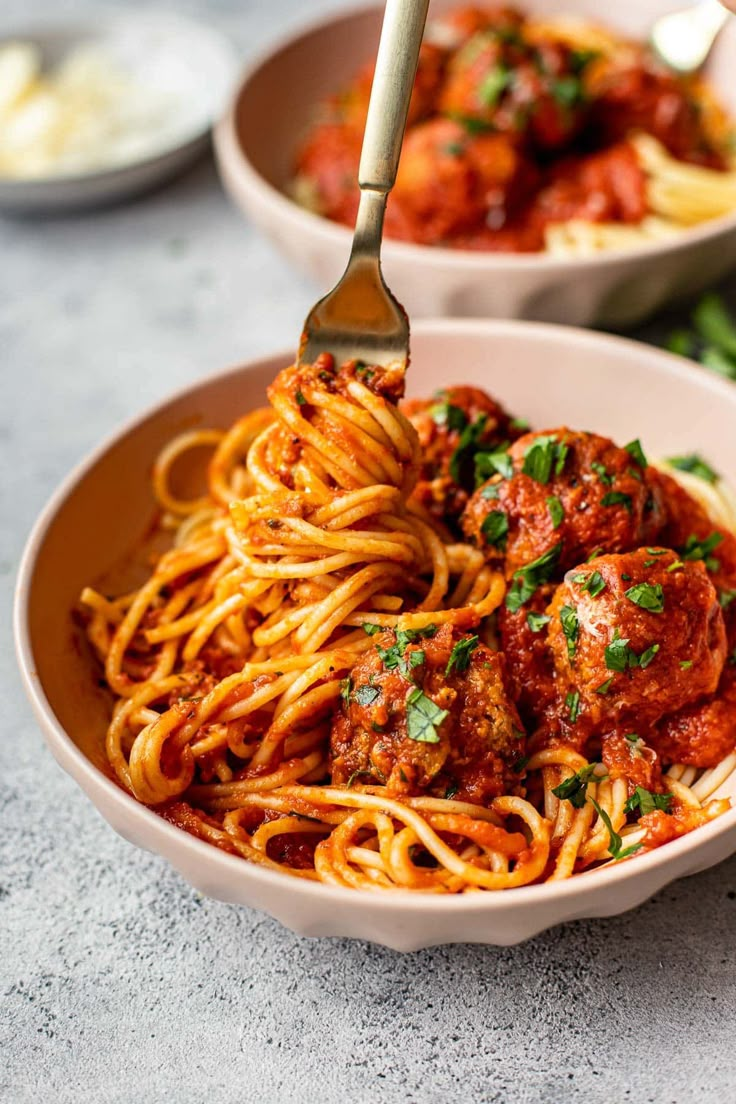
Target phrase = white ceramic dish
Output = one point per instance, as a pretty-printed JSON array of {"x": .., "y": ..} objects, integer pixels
[
  {"x": 255, "y": 144},
  {"x": 552, "y": 375},
  {"x": 177, "y": 56}
]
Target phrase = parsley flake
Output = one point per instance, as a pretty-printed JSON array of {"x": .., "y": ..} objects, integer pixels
[
  {"x": 572, "y": 701},
  {"x": 537, "y": 621},
  {"x": 423, "y": 717},
  {"x": 636, "y": 452},
  {"x": 648, "y": 596},
  {"x": 542, "y": 456},
  {"x": 556, "y": 511},
  {"x": 570, "y": 628},
  {"x": 615, "y": 848},
  {"x": 445, "y": 414},
  {"x": 460, "y": 655},
  {"x": 646, "y": 801},
  {"x": 695, "y": 549},
  {"x": 694, "y": 464},
  {"x": 617, "y": 498},
  {"x": 495, "y": 528},
  {"x": 573, "y": 789},
  {"x": 526, "y": 579}
]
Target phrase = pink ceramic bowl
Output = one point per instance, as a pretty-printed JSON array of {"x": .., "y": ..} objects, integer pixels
[
  {"x": 553, "y": 376},
  {"x": 255, "y": 144}
]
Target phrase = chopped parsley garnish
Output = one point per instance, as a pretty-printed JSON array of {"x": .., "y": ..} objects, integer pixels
[
  {"x": 494, "y": 84},
  {"x": 726, "y": 597},
  {"x": 301, "y": 401},
  {"x": 445, "y": 414},
  {"x": 617, "y": 498},
  {"x": 519, "y": 423},
  {"x": 574, "y": 788},
  {"x": 520, "y": 765},
  {"x": 701, "y": 550},
  {"x": 675, "y": 565},
  {"x": 694, "y": 464},
  {"x": 393, "y": 657},
  {"x": 497, "y": 462},
  {"x": 454, "y": 149},
  {"x": 572, "y": 701},
  {"x": 451, "y": 790},
  {"x": 495, "y": 528},
  {"x": 615, "y": 848},
  {"x": 460, "y": 655},
  {"x": 346, "y": 686},
  {"x": 526, "y": 579},
  {"x": 537, "y": 621},
  {"x": 423, "y": 717},
  {"x": 603, "y": 474},
  {"x": 604, "y": 686},
  {"x": 580, "y": 58},
  {"x": 461, "y": 461},
  {"x": 570, "y": 628},
  {"x": 648, "y": 596},
  {"x": 366, "y": 695},
  {"x": 489, "y": 491},
  {"x": 685, "y": 664},
  {"x": 556, "y": 511},
  {"x": 371, "y": 629},
  {"x": 543, "y": 456},
  {"x": 594, "y": 583},
  {"x": 568, "y": 91},
  {"x": 636, "y": 452},
  {"x": 620, "y": 656},
  {"x": 646, "y": 801},
  {"x": 647, "y": 656}
]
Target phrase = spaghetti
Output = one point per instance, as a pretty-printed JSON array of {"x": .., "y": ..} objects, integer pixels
[
  {"x": 530, "y": 134},
  {"x": 309, "y": 678}
]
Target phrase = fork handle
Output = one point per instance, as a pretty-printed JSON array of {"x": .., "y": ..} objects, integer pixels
[{"x": 396, "y": 66}]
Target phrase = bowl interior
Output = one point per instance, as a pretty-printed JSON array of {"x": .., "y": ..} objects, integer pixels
[
  {"x": 274, "y": 110},
  {"x": 94, "y": 529}
]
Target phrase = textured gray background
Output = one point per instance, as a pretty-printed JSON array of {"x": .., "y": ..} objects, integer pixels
[{"x": 118, "y": 982}]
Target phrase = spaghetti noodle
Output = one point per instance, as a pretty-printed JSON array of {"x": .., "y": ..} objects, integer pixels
[
  {"x": 309, "y": 678},
  {"x": 531, "y": 134}
]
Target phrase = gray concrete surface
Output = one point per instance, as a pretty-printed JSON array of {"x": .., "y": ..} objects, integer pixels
[{"x": 118, "y": 982}]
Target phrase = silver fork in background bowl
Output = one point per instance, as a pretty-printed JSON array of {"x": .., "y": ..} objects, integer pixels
[{"x": 360, "y": 318}]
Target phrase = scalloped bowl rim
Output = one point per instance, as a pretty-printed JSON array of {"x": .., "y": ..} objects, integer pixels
[
  {"x": 107, "y": 792},
  {"x": 227, "y": 143}
]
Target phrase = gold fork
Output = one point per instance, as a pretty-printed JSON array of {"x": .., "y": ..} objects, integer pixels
[{"x": 360, "y": 318}]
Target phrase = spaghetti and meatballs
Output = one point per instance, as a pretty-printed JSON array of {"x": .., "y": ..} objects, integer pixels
[{"x": 416, "y": 644}]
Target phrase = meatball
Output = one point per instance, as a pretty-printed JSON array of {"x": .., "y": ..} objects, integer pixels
[
  {"x": 448, "y": 182},
  {"x": 531, "y": 674},
  {"x": 567, "y": 494},
  {"x": 528, "y": 90},
  {"x": 645, "y": 96},
  {"x": 703, "y": 734},
  {"x": 429, "y": 713},
  {"x": 601, "y": 187},
  {"x": 453, "y": 426},
  {"x": 637, "y": 636}
]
